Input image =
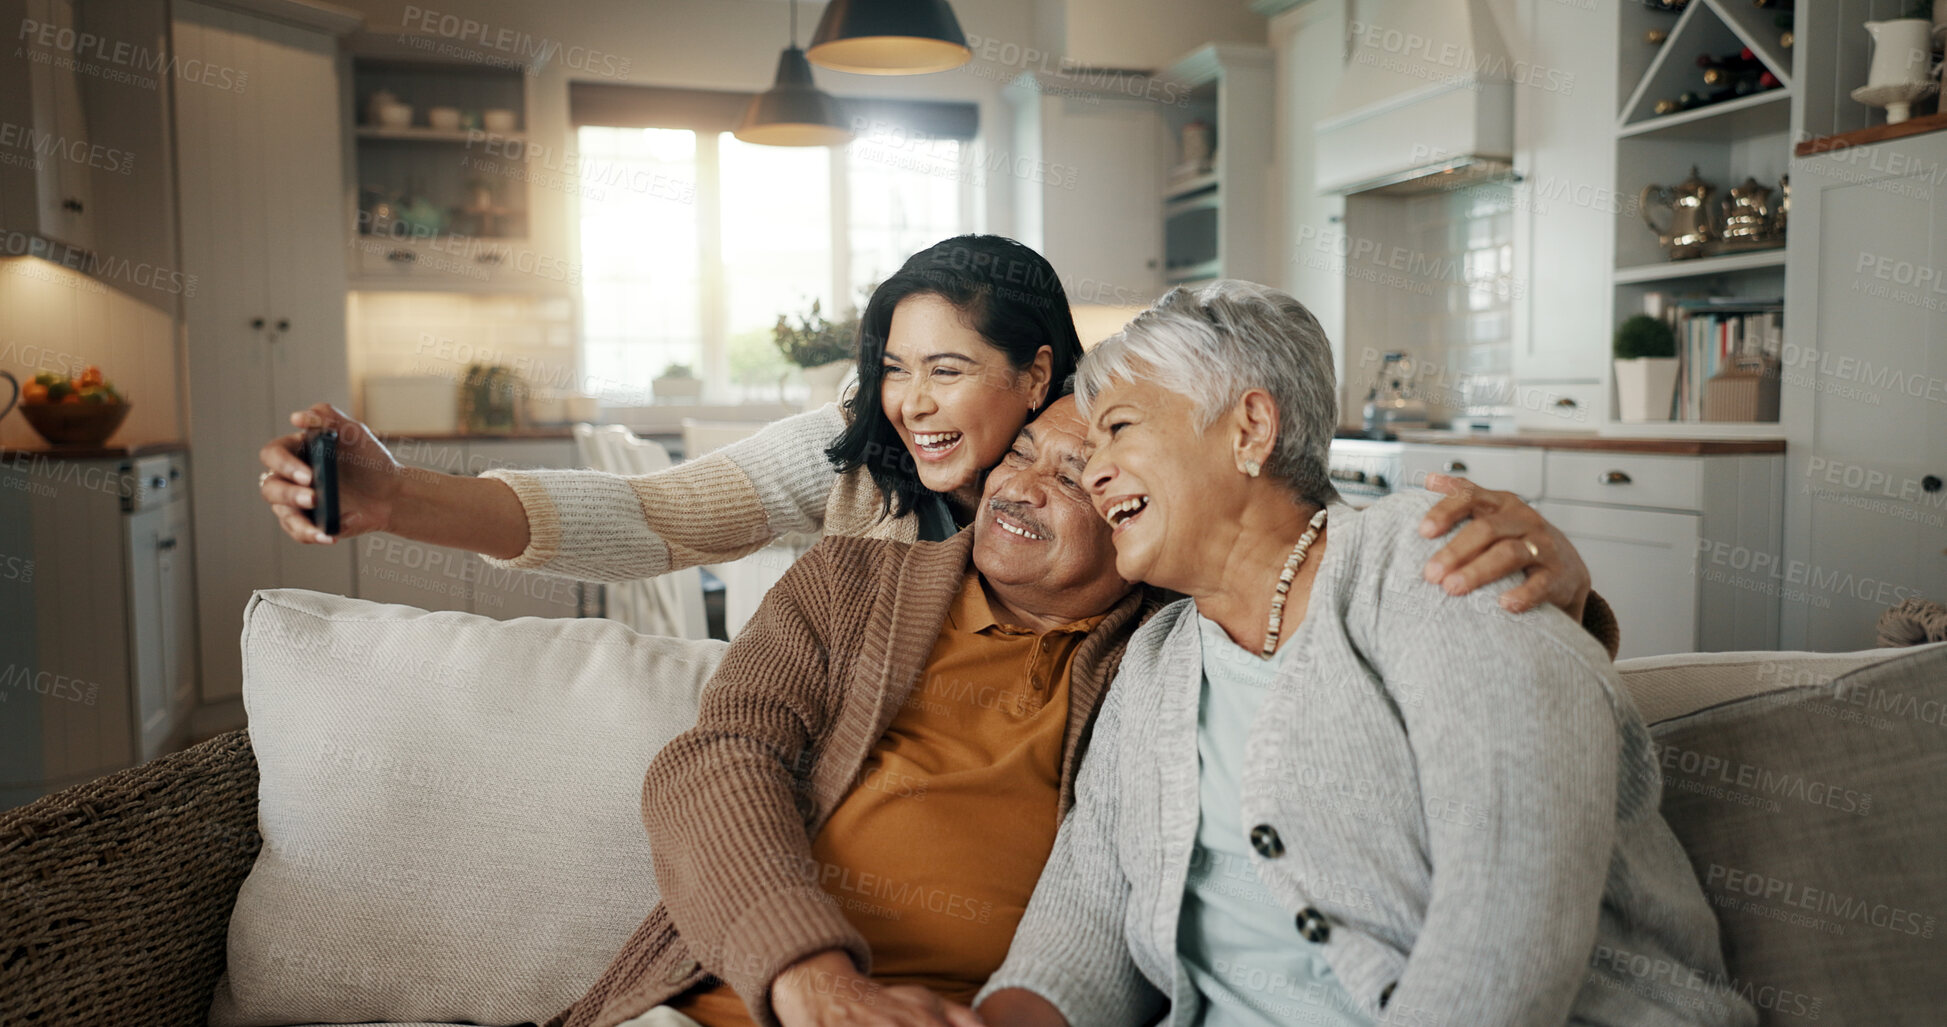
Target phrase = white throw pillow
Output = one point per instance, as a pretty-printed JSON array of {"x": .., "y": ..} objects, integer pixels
[{"x": 450, "y": 806}]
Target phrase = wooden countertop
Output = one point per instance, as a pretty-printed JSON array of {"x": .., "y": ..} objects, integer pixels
[
  {"x": 522, "y": 435},
  {"x": 1602, "y": 443},
  {"x": 112, "y": 451}
]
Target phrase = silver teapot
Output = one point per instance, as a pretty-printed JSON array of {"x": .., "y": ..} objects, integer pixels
[
  {"x": 1747, "y": 217},
  {"x": 1690, "y": 218}
]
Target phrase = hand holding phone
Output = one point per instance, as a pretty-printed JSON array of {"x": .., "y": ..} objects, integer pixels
[{"x": 321, "y": 449}]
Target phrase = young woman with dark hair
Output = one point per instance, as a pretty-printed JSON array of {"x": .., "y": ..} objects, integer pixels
[{"x": 957, "y": 350}]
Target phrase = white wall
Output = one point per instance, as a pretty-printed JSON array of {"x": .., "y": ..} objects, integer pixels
[
  {"x": 56, "y": 319},
  {"x": 1150, "y": 35}
]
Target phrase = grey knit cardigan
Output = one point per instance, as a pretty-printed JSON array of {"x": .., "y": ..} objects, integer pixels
[{"x": 1459, "y": 805}]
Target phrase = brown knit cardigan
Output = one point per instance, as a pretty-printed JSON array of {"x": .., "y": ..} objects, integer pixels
[{"x": 786, "y": 724}]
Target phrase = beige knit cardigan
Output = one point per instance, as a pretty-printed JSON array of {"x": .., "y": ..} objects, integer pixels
[{"x": 786, "y": 724}]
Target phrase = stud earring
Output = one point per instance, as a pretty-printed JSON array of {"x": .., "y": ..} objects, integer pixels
[{"x": 1252, "y": 467}]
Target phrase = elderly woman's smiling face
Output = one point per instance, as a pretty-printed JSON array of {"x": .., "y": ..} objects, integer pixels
[{"x": 1154, "y": 477}]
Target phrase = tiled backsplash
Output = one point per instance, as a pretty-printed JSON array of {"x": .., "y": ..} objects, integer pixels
[
  {"x": 439, "y": 334},
  {"x": 1432, "y": 275},
  {"x": 55, "y": 319}
]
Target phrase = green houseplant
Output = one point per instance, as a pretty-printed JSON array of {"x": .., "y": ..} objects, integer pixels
[
  {"x": 677, "y": 384},
  {"x": 823, "y": 348},
  {"x": 1646, "y": 369}
]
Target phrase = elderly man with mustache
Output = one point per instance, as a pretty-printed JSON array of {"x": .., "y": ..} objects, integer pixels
[{"x": 852, "y": 830}]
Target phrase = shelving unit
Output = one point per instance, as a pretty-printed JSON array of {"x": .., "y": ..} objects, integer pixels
[
  {"x": 1747, "y": 137},
  {"x": 470, "y": 228},
  {"x": 1213, "y": 223}
]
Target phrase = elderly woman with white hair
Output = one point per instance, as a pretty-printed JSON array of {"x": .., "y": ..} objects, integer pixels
[{"x": 1321, "y": 791}]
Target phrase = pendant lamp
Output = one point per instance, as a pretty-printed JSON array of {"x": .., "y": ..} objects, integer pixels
[
  {"x": 889, "y": 37},
  {"x": 794, "y": 111}
]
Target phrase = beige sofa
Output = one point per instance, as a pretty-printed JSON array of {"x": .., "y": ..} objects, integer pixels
[{"x": 434, "y": 820}]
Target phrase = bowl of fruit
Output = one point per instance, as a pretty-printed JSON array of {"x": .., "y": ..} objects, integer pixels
[{"x": 80, "y": 410}]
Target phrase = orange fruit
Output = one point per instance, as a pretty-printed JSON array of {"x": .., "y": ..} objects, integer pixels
[
  {"x": 33, "y": 392},
  {"x": 90, "y": 375}
]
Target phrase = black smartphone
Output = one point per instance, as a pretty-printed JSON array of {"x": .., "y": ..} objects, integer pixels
[{"x": 321, "y": 449}]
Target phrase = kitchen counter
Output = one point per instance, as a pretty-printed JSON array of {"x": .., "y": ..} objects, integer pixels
[
  {"x": 1603, "y": 443},
  {"x": 560, "y": 431},
  {"x": 110, "y": 451}
]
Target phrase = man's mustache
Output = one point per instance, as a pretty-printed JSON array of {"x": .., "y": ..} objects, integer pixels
[{"x": 1018, "y": 511}]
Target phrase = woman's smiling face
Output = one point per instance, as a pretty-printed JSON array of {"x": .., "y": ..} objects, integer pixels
[
  {"x": 952, "y": 396},
  {"x": 1156, "y": 479}
]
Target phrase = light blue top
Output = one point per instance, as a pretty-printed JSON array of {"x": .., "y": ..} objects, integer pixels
[{"x": 1238, "y": 947}]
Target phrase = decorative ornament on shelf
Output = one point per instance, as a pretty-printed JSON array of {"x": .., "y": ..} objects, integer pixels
[
  {"x": 1691, "y": 223},
  {"x": 1902, "y": 67},
  {"x": 1646, "y": 369}
]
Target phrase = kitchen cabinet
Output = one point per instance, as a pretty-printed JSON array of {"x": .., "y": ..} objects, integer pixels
[
  {"x": 262, "y": 231},
  {"x": 473, "y": 228},
  {"x": 1685, "y": 547},
  {"x": 97, "y": 622},
  {"x": 1510, "y": 469},
  {"x": 49, "y": 192},
  {"x": 85, "y": 142},
  {"x": 1864, "y": 389},
  {"x": 1565, "y": 213},
  {"x": 1086, "y": 155}
]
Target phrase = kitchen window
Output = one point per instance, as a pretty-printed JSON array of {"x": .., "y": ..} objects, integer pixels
[{"x": 692, "y": 244}]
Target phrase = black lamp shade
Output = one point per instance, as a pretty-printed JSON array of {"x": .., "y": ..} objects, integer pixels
[
  {"x": 889, "y": 37},
  {"x": 794, "y": 111}
]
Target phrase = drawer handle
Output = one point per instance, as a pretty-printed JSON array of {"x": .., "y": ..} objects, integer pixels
[
  {"x": 1456, "y": 467},
  {"x": 1566, "y": 403},
  {"x": 402, "y": 256},
  {"x": 1613, "y": 478}
]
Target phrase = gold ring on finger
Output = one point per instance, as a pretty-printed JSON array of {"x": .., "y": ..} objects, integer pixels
[{"x": 1534, "y": 551}]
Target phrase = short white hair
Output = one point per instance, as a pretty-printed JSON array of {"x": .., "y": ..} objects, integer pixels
[{"x": 1213, "y": 343}]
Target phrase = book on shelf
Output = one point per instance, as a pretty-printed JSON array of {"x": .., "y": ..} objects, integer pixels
[{"x": 1712, "y": 334}]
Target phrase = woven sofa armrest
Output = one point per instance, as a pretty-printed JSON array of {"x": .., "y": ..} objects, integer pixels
[{"x": 115, "y": 895}]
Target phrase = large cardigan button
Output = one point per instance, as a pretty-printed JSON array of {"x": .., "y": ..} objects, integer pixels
[{"x": 1264, "y": 838}]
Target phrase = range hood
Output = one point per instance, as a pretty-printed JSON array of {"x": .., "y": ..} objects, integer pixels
[{"x": 1426, "y": 101}]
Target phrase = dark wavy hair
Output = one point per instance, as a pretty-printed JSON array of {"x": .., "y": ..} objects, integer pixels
[{"x": 1009, "y": 294}]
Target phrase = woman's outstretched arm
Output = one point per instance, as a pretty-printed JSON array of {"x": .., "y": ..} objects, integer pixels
[{"x": 585, "y": 524}]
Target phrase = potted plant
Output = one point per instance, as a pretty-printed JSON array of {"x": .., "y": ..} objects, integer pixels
[
  {"x": 1646, "y": 369},
  {"x": 677, "y": 384},
  {"x": 823, "y": 348}
]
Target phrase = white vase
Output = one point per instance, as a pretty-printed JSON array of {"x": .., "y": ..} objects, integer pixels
[
  {"x": 824, "y": 382},
  {"x": 677, "y": 390},
  {"x": 1644, "y": 388},
  {"x": 1902, "y": 51}
]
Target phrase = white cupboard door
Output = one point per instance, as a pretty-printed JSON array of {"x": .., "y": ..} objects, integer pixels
[
  {"x": 1104, "y": 255},
  {"x": 249, "y": 153},
  {"x": 1644, "y": 564},
  {"x": 1564, "y": 214},
  {"x": 63, "y": 188},
  {"x": 1875, "y": 377},
  {"x": 302, "y": 246},
  {"x": 221, "y": 187}
]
